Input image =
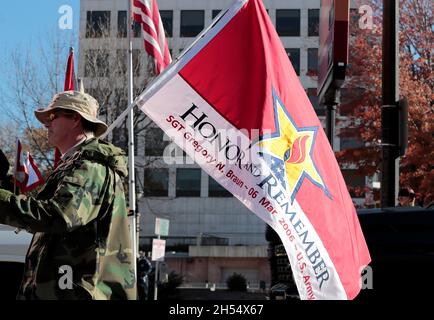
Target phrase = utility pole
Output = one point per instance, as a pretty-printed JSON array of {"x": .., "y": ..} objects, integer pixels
[{"x": 389, "y": 114}]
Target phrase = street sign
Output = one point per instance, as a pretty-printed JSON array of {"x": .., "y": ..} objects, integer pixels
[
  {"x": 158, "y": 249},
  {"x": 161, "y": 227},
  {"x": 333, "y": 50}
]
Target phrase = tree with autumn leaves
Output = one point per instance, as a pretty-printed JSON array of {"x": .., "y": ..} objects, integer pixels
[{"x": 361, "y": 99}]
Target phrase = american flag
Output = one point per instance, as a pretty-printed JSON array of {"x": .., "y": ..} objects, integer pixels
[{"x": 146, "y": 13}]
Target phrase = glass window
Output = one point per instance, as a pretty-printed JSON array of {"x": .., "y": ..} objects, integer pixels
[
  {"x": 121, "y": 62},
  {"x": 96, "y": 63},
  {"x": 215, "y": 189},
  {"x": 313, "y": 23},
  {"x": 137, "y": 30},
  {"x": 122, "y": 24},
  {"x": 167, "y": 19},
  {"x": 288, "y": 22},
  {"x": 312, "y": 61},
  {"x": 215, "y": 13},
  {"x": 155, "y": 142},
  {"x": 353, "y": 177},
  {"x": 188, "y": 182},
  {"x": 137, "y": 67},
  {"x": 97, "y": 24},
  {"x": 156, "y": 182},
  {"x": 192, "y": 22},
  {"x": 294, "y": 56}
]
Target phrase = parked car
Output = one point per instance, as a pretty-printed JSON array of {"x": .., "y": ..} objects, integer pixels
[
  {"x": 401, "y": 244},
  {"x": 13, "y": 249}
]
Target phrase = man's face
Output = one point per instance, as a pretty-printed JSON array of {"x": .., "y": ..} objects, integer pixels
[{"x": 60, "y": 126}]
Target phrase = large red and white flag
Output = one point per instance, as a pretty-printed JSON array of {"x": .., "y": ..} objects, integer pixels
[
  {"x": 27, "y": 175},
  {"x": 235, "y": 105},
  {"x": 146, "y": 13}
]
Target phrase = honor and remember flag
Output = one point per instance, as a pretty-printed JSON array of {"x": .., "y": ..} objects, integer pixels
[
  {"x": 27, "y": 175},
  {"x": 146, "y": 13},
  {"x": 234, "y": 103}
]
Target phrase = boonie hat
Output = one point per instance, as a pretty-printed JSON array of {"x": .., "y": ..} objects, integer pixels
[{"x": 82, "y": 103}]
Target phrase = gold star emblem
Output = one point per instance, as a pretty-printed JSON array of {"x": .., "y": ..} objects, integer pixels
[{"x": 288, "y": 152}]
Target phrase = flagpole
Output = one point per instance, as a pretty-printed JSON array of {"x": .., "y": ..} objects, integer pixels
[
  {"x": 17, "y": 230},
  {"x": 131, "y": 173},
  {"x": 15, "y": 170}
]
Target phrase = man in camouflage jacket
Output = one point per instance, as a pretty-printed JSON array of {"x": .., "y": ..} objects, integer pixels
[{"x": 81, "y": 247}]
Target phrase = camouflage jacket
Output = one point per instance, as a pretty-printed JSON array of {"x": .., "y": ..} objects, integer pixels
[{"x": 80, "y": 225}]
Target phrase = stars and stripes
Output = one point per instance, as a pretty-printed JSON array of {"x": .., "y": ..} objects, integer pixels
[{"x": 146, "y": 13}]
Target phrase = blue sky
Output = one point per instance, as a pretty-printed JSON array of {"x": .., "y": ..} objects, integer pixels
[
  {"x": 21, "y": 21},
  {"x": 24, "y": 24}
]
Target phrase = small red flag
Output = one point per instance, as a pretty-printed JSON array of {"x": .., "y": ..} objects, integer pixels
[{"x": 27, "y": 175}]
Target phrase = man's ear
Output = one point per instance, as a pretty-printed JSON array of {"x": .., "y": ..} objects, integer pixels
[{"x": 77, "y": 120}]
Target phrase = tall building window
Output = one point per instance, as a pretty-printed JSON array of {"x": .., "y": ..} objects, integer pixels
[
  {"x": 192, "y": 22},
  {"x": 137, "y": 30},
  {"x": 120, "y": 66},
  {"x": 353, "y": 178},
  {"x": 312, "y": 61},
  {"x": 137, "y": 66},
  {"x": 167, "y": 19},
  {"x": 215, "y": 13},
  {"x": 313, "y": 23},
  {"x": 288, "y": 22},
  {"x": 156, "y": 182},
  {"x": 155, "y": 143},
  {"x": 188, "y": 182},
  {"x": 215, "y": 189},
  {"x": 97, "y": 24},
  {"x": 95, "y": 64},
  {"x": 122, "y": 24},
  {"x": 121, "y": 62},
  {"x": 294, "y": 56}
]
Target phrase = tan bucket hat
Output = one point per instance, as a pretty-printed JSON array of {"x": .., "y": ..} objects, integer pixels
[{"x": 80, "y": 102}]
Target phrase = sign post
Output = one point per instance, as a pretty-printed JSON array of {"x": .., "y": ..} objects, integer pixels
[{"x": 159, "y": 248}]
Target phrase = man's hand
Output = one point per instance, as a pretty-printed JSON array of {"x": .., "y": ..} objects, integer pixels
[{"x": 5, "y": 195}]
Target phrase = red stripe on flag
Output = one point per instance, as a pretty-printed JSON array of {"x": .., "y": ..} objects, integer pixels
[{"x": 158, "y": 50}]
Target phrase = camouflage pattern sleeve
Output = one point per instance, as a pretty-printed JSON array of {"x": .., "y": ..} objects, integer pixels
[{"x": 76, "y": 201}]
